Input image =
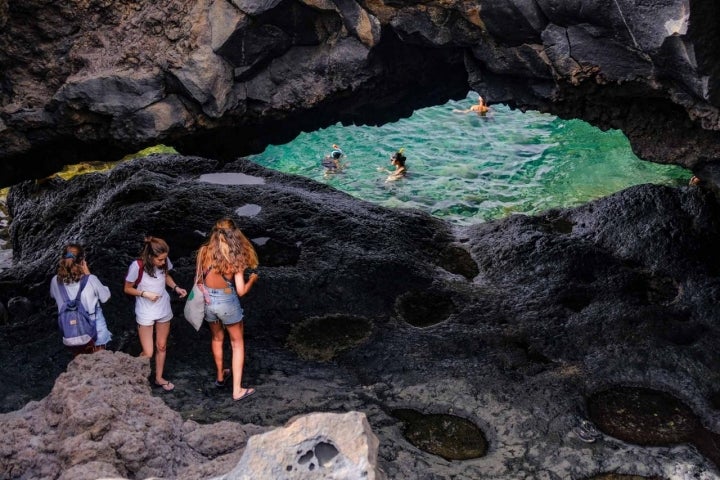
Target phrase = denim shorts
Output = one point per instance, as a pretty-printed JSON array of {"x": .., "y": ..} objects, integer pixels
[
  {"x": 224, "y": 306},
  {"x": 103, "y": 334}
]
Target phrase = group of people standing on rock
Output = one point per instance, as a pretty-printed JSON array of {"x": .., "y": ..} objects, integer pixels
[
  {"x": 221, "y": 264},
  {"x": 332, "y": 164}
]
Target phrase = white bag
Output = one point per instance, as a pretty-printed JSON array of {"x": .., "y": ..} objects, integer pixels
[{"x": 195, "y": 307}]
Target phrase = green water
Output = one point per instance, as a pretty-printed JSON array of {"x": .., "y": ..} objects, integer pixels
[{"x": 468, "y": 169}]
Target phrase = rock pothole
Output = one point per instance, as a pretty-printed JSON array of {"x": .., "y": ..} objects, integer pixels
[
  {"x": 456, "y": 259},
  {"x": 276, "y": 253},
  {"x": 655, "y": 289},
  {"x": 447, "y": 436},
  {"x": 681, "y": 334},
  {"x": 575, "y": 301},
  {"x": 662, "y": 290},
  {"x": 425, "y": 308},
  {"x": 643, "y": 416},
  {"x": 650, "y": 417},
  {"x": 558, "y": 224},
  {"x": 322, "y": 338}
]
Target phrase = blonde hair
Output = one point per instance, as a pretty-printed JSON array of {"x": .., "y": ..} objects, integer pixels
[{"x": 227, "y": 250}]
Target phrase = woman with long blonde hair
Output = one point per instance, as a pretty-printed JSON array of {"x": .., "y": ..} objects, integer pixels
[{"x": 221, "y": 265}]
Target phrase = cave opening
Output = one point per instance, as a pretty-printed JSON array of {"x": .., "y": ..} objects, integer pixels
[
  {"x": 462, "y": 167},
  {"x": 468, "y": 168}
]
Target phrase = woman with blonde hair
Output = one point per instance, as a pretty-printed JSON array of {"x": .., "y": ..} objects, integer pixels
[
  {"x": 221, "y": 265},
  {"x": 146, "y": 280}
]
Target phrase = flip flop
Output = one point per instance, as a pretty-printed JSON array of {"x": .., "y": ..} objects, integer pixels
[
  {"x": 167, "y": 386},
  {"x": 221, "y": 383},
  {"x": 248, "y": 392},
  {"x": 587, "y": 432}
]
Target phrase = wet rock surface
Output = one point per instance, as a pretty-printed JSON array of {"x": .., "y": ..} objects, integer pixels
[{"x": 620, "y": 293}]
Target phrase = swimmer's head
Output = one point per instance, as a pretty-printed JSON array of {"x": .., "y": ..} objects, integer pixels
[
  {"x": 398, "y": 157},
  {"x": 336, "y": 154}
]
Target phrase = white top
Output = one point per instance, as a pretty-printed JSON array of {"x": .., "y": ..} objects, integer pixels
[
  {"x": 93, "y": 293},
  {"x": 146, "y": 309}
]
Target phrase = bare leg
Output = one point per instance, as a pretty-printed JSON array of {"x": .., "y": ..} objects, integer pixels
[
  {"x": 145, "y": 333},
  {"x": 162, "y": 331},
  {"x": 216, "y": 345},
  {"x": 238, "y": 357}
]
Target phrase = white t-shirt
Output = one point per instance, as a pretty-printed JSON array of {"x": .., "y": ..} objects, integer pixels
[
  {"x": 146, "y": 309},
  {"x": 93, "y": 293}
]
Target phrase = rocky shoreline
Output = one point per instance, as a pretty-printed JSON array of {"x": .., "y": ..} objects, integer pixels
[{"x": 522, "y": 327}]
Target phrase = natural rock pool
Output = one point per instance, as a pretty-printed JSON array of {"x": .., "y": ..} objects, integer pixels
[{"x": 466, "y": 168}]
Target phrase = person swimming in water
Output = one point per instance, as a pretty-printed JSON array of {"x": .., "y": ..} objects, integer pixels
[
  {"x": 331, "y": 162},
  {"x": 398, "y": 161},
  {"x": 481, "y": 108}
]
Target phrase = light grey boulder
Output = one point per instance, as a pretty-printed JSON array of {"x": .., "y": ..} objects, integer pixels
[{"x": 317, "y": 446}]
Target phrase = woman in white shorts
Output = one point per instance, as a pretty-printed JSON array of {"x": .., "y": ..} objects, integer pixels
[{"x": 152, "y": 302}]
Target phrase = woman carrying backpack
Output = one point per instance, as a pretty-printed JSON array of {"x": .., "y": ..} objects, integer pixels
[
  {"x": 221, "y": 263},
  {"x": 152, "y": 303},
  {"x": 71, "y": 269}
]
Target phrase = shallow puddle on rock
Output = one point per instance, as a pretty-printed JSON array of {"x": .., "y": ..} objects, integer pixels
[
  {"x": 231, "y": 178},
  {"x": 248, "y": 210},
  {"x": 448, "y": 436},
  {"x": 322, "y": 338},
  {"x": 642, "y": 416},
  {"x": 649, "y": 417}
]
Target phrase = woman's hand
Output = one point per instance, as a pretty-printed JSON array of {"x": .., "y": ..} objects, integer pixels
[
  {"x": 85, "y": 268},
  {"x": 152, "y": 296},
  {"x": 181, "y": 291}
]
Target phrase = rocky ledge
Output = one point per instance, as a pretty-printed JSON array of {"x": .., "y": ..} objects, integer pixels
[
  {"x": 101, "y": 421},
  {"x": 575, "y": 344}
]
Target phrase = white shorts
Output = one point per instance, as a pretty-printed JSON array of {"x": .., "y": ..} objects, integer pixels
[{"x": 150, "y": 323}]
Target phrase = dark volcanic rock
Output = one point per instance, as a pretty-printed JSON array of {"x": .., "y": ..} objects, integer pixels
[
  {"x": 620, "y": 293},
  {"x": 88, "y": 80}
]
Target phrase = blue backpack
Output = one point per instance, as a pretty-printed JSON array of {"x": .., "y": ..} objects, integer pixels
[{"x": 76, "y": 326}]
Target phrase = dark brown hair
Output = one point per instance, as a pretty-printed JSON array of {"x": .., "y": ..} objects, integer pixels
[
  {"x": 70, "y": 266},
  {"x": 152, "y": 248}
]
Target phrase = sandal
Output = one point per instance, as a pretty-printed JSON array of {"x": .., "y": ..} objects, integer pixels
[
  {"x": 167, "y": 386},
  {"x": 587, "y": 432},
  {"x": 221, "y": 383},
  {"x": 248, "y": 392}
]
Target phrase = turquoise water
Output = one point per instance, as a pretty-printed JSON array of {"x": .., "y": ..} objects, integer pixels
[{"x": 468, "y": 169}]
